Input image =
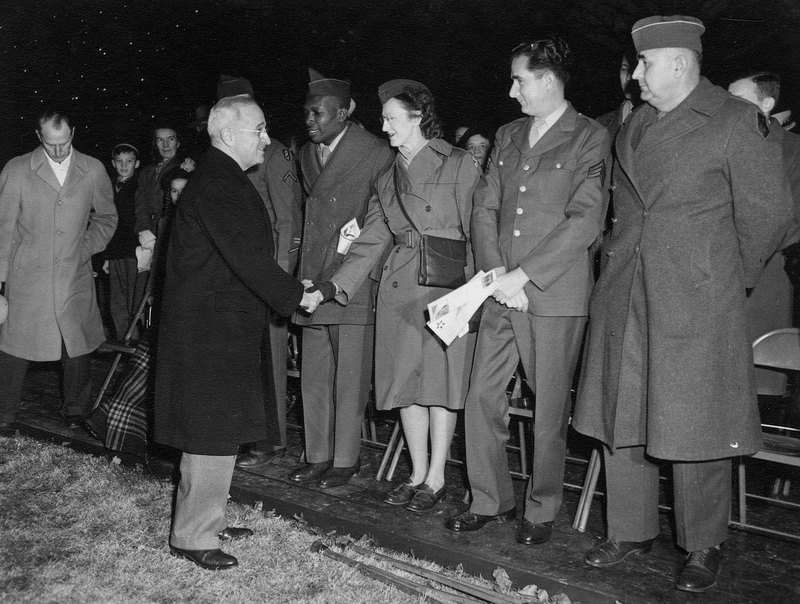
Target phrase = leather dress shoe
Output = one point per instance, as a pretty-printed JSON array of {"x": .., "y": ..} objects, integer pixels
[
  {"x": 235, "y": 532},
  {"x": 700, "y": 569},
  {"x": 611, "y": 552},
  {"x": 534, "y": 533},
  {"x": 256, "y": 459},
  {"x": 73, "y": 421},
  {"x": 309, "y": 471},
  {"x": 210, "y": 559},
  {"x": 467, "y": 521},
  {"x": 401, "y": 494},
  {"x": 335, "y": 477},
  {"x": 425, "y": 499}
]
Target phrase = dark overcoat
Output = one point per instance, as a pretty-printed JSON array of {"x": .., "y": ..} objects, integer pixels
[
  {"x": 412, "y": 366},
  {"x": 541, "y": 208},
  {"x": 336, "y": 194},
  {"x": 150, "y": 196},
  {"x": 221, "y": 280},
  {"x": 48, "y": 234},
  {"x": 701, "y": 202}
]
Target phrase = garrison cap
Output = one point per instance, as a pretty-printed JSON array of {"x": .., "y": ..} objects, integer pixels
[
  {"x": 231, "y": 86},
  {"x": 394, "y": 87},
  {"x": 319, "y": 85},
  {"x": 676, "y": 31}
]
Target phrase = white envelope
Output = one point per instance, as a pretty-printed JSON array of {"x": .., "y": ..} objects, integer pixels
[{"x": 347, "y": 235}]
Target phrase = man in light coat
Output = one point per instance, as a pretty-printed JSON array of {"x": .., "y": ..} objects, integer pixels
[
  {"x": 700, "y": 202},
  {"x": 339, "y": 166},
  {"x": 536, "y": 212},
  {"x": 56, "y": 211}
]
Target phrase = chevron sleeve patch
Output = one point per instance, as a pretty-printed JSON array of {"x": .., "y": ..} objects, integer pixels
[{"x": 598, "y": 170}]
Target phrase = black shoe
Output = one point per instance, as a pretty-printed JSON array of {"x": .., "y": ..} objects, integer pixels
[
  {"x": 73, "y": 421},
  {"x": 256, "y": 459},
  {"x": 425, "y": 499},
  {"x": 530, "y": 533},
  {"x": 210, "y": 559},
  {"x": 235, "y": 532},
  {"x": 335, "y": 477},
  {"x": 401, "y": 494},
  {"x": 309, "y": 471},
  {"x": 700, "y": 569},
  {"x": 8, "y": 429},
  {"x": 611, "y": 552},
  {"x": 467, "y": 521}
]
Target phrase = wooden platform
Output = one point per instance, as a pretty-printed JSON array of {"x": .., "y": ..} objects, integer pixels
[{"x": 755, "y": 568}]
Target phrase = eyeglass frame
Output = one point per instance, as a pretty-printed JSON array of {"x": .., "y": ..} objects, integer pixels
[
  {"x": 388, "y": 119},
  {"x": 261, "y": 132}
]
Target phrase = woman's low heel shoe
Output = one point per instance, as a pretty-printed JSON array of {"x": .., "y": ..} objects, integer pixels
[
  {"x": 425, "y": 499},
  {"x": 401, "y": 494}
]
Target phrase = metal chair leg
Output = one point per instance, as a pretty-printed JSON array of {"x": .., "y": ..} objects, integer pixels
[{"x": 587, "y": 495}]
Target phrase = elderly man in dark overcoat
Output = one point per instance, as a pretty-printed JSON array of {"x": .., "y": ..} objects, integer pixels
[
  {"x": 276, "y": 181},
  {"x": 536, "y": 212},
  {"x": 338, "y": 165},
  {"x": 56, "y": 211},
  {"x": 221, "y": 282},
  {"x": 700, "y": 204}
]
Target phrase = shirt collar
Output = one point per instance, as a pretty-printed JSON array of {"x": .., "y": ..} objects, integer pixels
[{"x": 335, "y": 141}]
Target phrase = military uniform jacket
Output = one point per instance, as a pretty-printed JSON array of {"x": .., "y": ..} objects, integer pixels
[
  {"x": 276, "y": 181},
  {"x": 701, "y": 202},
  {"x": 336, "y": 194},
  {"x": 46, "y": 251},
  {"x": 411, "y": 364},
  {"x": 541, "y": 208}
]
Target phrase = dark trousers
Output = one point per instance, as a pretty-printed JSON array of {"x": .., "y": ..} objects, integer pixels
[
  {"x": 76, "y": 384},
  {"x": 274, "y": 355},
  {"x": 702, "y": 502},
  {"x": 123, "y": 297},
  {"x": 335, "y": 380},
  {"x": 548, "y": 348}
]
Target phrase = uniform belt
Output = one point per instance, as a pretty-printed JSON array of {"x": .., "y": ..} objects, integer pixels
[{"x": 407, "y": 238}]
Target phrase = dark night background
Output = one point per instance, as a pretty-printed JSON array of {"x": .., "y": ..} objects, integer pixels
[{"x": 118, "y": 66}]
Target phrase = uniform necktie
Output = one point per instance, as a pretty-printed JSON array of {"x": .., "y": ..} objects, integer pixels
[
  {"x": 325, "y": 153},
  {"x": 533, "y": 137}
]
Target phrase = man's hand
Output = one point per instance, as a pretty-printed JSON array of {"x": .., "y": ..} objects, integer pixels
[
  {"x": 188, "y": 165},
  {"x": 509, "y": 285},
  {"x": 147, "y": 240},
  {"x": 519, "y": 302},
  {"x": 310, "y": 301}
]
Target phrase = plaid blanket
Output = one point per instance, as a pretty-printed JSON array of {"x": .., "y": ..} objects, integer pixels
[{"x": 123, "y": 421}]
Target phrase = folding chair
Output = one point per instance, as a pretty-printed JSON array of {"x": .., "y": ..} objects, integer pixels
[{"x": 778, "y": 350}]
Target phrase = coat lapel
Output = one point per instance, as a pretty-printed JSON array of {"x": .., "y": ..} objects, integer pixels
[
  {"x": 344, "y": 159},
  {"x": 556, "y": 135},
  {"x": 41, "y": 166},
  {"x": 78, "y": 168}
]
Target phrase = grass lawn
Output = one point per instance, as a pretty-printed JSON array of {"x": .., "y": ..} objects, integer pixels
[{"x": 76, "y": 528}]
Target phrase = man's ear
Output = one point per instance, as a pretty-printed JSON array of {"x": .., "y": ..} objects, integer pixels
[
  {"x": 768, "y": 104},
  {"x": 136, "y": 165}
]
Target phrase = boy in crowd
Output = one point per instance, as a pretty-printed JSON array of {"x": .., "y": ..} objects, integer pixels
[{"x": 121, "y": 250}]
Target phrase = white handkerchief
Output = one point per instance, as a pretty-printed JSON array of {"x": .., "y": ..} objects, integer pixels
[{"x": 348, "y": 235}]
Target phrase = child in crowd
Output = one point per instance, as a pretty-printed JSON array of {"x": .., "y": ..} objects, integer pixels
[{"x": 120, "y": 253}]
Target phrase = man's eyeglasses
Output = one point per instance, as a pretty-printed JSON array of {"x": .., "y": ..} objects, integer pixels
[{"x": 261, "y": 131}]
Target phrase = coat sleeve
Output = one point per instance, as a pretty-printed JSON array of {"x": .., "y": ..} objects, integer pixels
[
  {"x": 584, "y": 213},
  {"x": 283, "y": 191},
  {"x": 486, "y": 211},
  {"x": 103, "y": 220},
  {"x": 10, "y": 196},
  {"x": 762, "y": 204},
  {"x": 240, "y": 235},
  {"x": 365, "y": 252},
  {"x": 466, "y": 181}
]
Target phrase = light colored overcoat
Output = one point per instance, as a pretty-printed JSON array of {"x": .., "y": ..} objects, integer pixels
[
  {"x": 412, "y": 366},
  {"x": 700, "y": 204},
  {"x": 48, "y": 234}
]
